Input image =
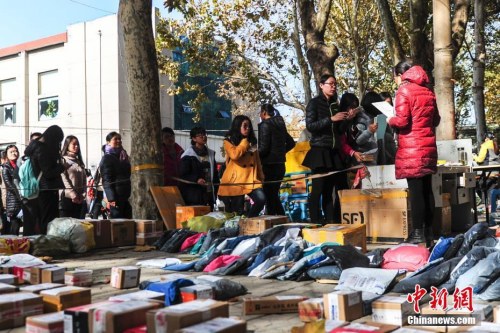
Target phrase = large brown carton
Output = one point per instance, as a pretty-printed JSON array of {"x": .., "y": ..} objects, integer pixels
[
  {"x": 343, "y": 305},
  {"x": 78, "y": 278},
  {"x": 172, "y": 318},
  {"x": 271, "y": 304},
  {"x": 122, "y": 232},
  {"x": 115, "y": 318},
  {"x": 184, "y": 213},
  {"x": 218, "y": 325},
  {"x": 79, "y": 319},
  {"x": 45, "y": 323},
  {"x": 391, "y": 310},
  {"x": 141, "y": 295},
  {"x": 385, "y": 212},
  {"x": 38, "y": 288},
  {"x": 441, "y": 226},
  {"x": 53, "y": 275},
  {"x": 340, "y": 233},
  {"x": 102, "y": 233},
  {"x": 58, "y": 299},
  {"x": 36, "y": 273},
  {"x": 15, "y": 307},
  {"x": 125, "y": 277},
  {"x": 257, "y": 225},
  {"x": 148, "y": 231},
  {"x": 7, "y": 288},
  {"x": 23, "y": 273}
]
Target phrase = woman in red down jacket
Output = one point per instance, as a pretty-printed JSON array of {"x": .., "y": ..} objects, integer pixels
[{"x": 415, "y": 120}]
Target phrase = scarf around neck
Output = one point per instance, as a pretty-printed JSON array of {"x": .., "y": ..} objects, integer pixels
[{"x": 120, "y": 152}]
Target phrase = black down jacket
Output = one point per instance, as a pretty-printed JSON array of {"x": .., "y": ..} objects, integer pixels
[
  {"x": 115, "y": 177},
  {"x": 13, "y": 202},
  {"x": 318, "y": 122},
  {"x": 274, "y": 140}
]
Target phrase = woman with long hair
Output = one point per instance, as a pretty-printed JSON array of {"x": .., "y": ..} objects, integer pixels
[
  {"x": 115, "y": 173},
  {"x": 13, "y": 204},
  {"x": 415, "y": 121},
  {"x": 243, "y": 173},
  {"x": 72, "y": 197}
]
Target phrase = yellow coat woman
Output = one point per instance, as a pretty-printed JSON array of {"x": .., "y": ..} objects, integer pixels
[{"x": 242, "y": 167}]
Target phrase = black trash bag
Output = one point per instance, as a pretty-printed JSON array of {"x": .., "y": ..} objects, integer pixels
[
  {"x": 346, "y": 256},
  {"x": 213, "y": 234},
  {"x": 224, "y": 289},
  {"x": 330, "y": 272},
  {"x": 488, "y": 241},
  {"x": 376, "y": 257},
  {"x": 52, "y": 246},
  {"x": 233, "y": 267},
  {"x": 173, "y": 245},
  {"x": 477, "y": 231},
  {"x": 433, "y": 277},
  {"x": 470, "y": 260},
  {"x": 167, "y": 234},
  {"x": 454, "y": 247}
]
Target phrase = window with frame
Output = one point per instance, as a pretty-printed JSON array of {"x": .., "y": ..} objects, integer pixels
[
  {"x": 7, "y": 102},
  {"x": 48, "y": 97}
]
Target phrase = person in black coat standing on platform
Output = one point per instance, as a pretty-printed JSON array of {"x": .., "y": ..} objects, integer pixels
[
  {"x": 45, "y": 155},
  {"x": 274, "y": 143},
  {"x": 115, "y": 173}
]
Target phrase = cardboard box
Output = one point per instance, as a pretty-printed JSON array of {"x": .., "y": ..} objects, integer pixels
[
  {"x": 218, "y": 325},
  {"x": 340, "y": 233},
  {"x": 58, "y": 299},
  {"x": 175, "y": 317},
  {"x": 271, "y": 304},
  {"x": 367, "y": 326},
  {"x": 79, "y": 319},
  {"x": 78, "y": 278},
  {"x": 22, "y": 272},
  {"x": 15, "y": 307},
  {"x": 45, "y": 323},
  {"x": 441, "y": 226},
  {"x": 138, "y": 329},
  {"x": 391, "y": 310},
  {"x": 184, "y": 213},
  {"x": 311, "y": 310},
  {"x": 102, "y": 233},
  {"x": 125, "y": 277},
  {"x": 197, "y": 291},
  {"x": 257, "y": 225},
  {"x": 115, "y": 318},
  {"x": 122, "y": 232},
  {"x": 36, "y": 273},
  {"x": 343, "y": 305},
  {"x": 142, "y": 295},
  {"x": 385, "y": 212},
  {"x": 496, "y": 314},
  {"x": 53, "y": 275},
  {"x": 37, "y": 288},
  {"x": 9, "y": 279},
  {"x": 148, "y": 231},
  {"x": 7, "y": 288}
]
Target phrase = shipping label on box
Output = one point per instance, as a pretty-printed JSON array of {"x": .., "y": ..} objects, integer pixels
[
  {"x": 178, "y": 316},
  {"x": 343, "y": 305},
  {"x": 344, "y": 234},
  {"x": 257, "y": 225},
  {"x": 385, "y": 212},
  {"x": 311, "y": 310},
  {"x": 184, "y": 213},
  {"x": 53, "y": 275},
  {"x": 15, "y": 307},
  {"x": 102, "y": 233},
  {"x": 121, "y": 316},
  {"x": 122, "y": 232},
  {"x": 271, "y": 304},
  {"x": 218, "y": 325},
  {"x": 45, "y": 323},
  {"x": 391, "y": 310},
  {"x": 125, "y": 277},
  {"x": 22, "y": 271},
  {"x": 78, "y": 278}
]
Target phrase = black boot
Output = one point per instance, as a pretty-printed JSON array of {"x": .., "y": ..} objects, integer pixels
[
  {"x": 416, "y": 237},
  {"x": 429, "y": 236}
]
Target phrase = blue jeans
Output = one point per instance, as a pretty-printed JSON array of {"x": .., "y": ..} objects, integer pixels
[{"x": 495, "y": 195}]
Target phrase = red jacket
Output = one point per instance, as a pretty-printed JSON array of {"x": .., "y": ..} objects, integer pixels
[{"x": 415, "y": 121}]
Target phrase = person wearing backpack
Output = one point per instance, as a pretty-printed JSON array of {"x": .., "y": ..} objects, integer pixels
[
  {"x": 115, "y": 173},
  {"x": 10, "y": 175},
  {"x": 72, "y": 198},
  {"x": 44, "y": 154}
]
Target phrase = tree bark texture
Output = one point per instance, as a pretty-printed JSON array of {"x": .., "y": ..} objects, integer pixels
[
  {"x": 304, "y": 67},
  {"x": 420, "y": 46},
  {"x": 443, "y": 69},
  {"x": 459, "y": 24},
  {"x": 142, "y": 79},
  {"x": 391, "y": 34},
  {"x": 478, "y": 71},
  {"x": 321, "y": 57}
]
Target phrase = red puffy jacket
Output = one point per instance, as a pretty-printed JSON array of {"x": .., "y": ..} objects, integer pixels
[{"x": 416, "y": 119}]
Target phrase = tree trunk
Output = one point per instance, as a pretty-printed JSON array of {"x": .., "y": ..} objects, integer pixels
[
  {"x": 420, "y": 47},
  {"x": 304, "y": 67},
  {"x": 320, "y": 56},
  {"x": 478, "y": 71},
  {"x": 391, "y": 34},
  {"x": 459, "y": 24},
  {"x": 143, "y": 86},
  {"x": 443, "y": 69}
]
